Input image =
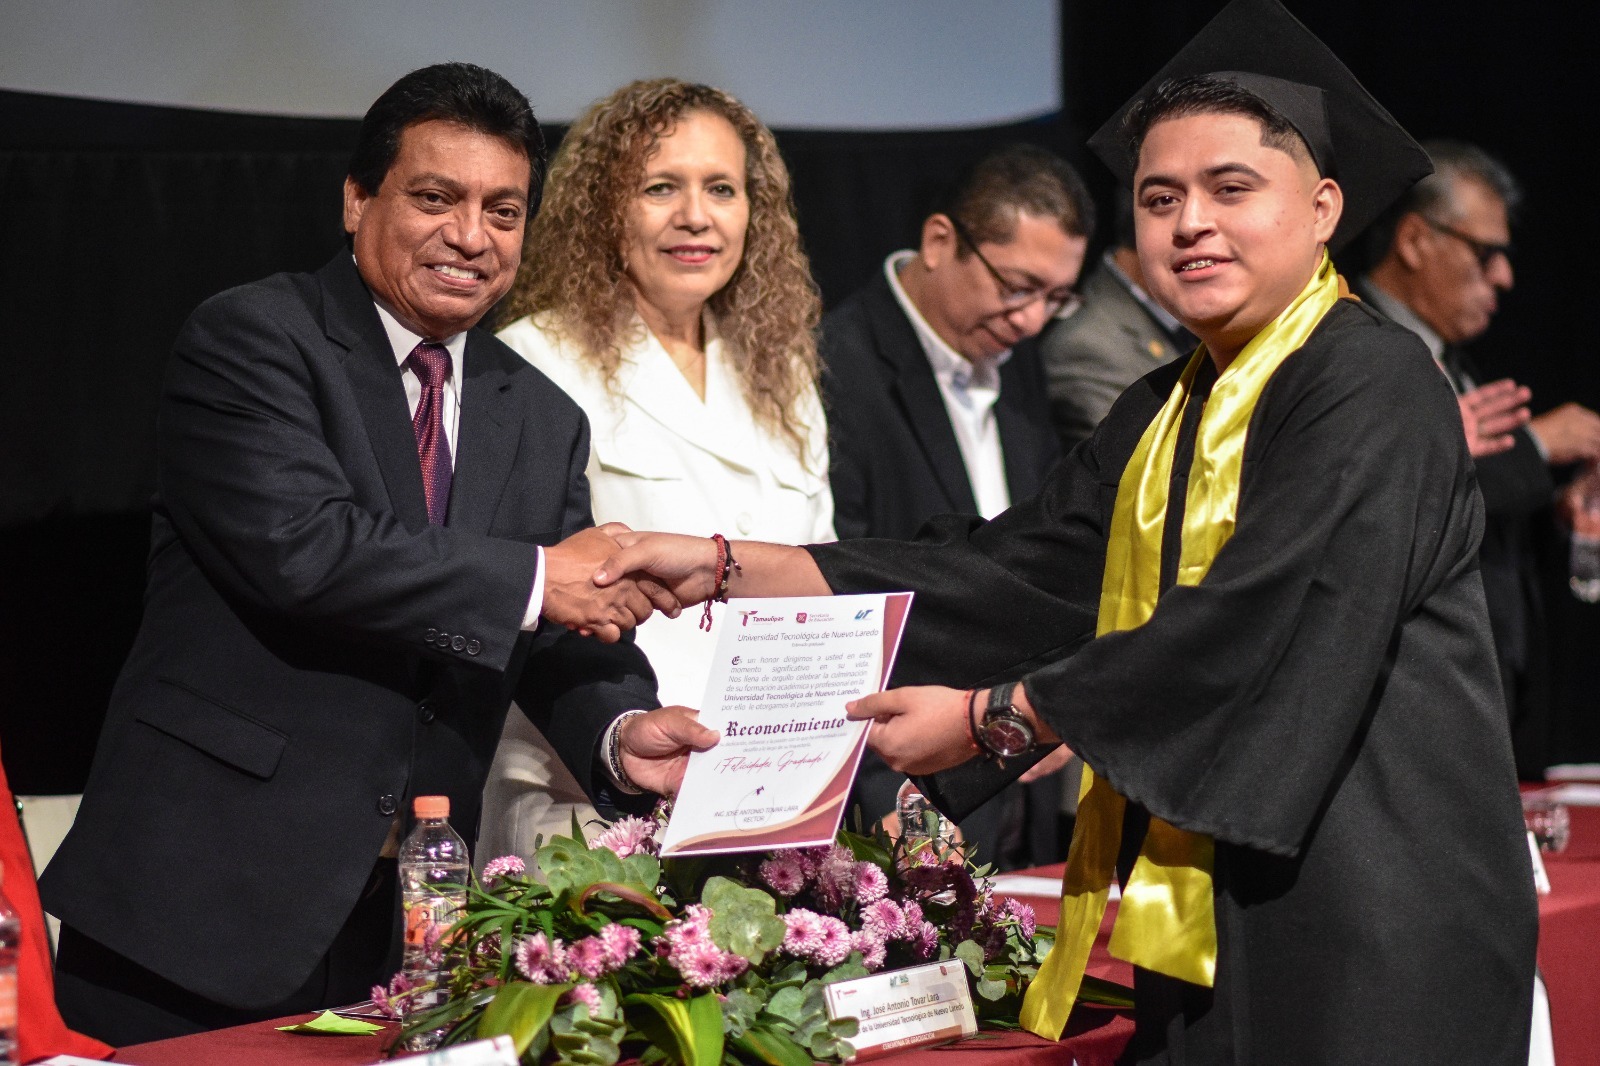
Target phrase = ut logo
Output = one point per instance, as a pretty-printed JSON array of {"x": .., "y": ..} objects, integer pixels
[{"x": 862, "y": 614}]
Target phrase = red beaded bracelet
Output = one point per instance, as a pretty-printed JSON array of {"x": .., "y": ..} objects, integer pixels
[{"x": 720, "y": 580}]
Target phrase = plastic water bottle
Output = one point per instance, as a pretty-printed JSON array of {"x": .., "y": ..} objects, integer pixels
[
  {"x": 434, "y": 870},
  {"x": 10, "y": 939},
  {"x": 1584, "y": 563}
]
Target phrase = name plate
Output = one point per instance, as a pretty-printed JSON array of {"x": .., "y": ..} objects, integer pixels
[
  {"x": 898, "y": 1009},
  {"x": 496, "y": 1051}
]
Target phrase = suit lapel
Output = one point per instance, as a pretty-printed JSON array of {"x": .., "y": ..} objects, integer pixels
[
  {"x": 351, "y": 321},
  {"x": 917, "y": 391},
  {"x": 485, "y": 449},
  {"x": 1020, "y": 442},
  {"x": 657, "y": 389}
]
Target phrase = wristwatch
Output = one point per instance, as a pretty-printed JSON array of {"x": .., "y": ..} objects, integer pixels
[{"x": 1004, "y": 732}]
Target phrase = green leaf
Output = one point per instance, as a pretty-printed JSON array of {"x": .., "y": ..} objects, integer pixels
[
  {"x": 865, "y": 849},
  {"x": 847, "y": 970},
  {"x": 770, "y": 1046},
  {"x": 688, "y": 1030},
  {"x": 970, "y": 953},
  {"x": 331, "y": 1024},
  {"x": 743, "y": 920},
  {"x": 638, "y": 895},
  {"x": 788, "y": 1004},
  {"x": 519, "y": 1010},
  {"x": 990, "y": 990}
]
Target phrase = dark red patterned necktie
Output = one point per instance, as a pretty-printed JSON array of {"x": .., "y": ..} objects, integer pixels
[{"x": 431, "y": 363}]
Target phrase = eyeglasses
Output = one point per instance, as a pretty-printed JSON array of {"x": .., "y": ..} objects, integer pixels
[
  {"x": 1057, "y": 302},
  {"x": 1482, "y": 251}
]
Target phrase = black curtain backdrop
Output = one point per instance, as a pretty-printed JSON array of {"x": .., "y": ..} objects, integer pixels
[{"x": 121, "y": 218}]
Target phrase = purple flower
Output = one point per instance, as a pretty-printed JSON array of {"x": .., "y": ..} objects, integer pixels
[
  {"x": 687, "y": 945},
  {"x": 926, "y": 941},
  {"x": 504, "y": 866},
  {"x": 588, "y": 958},
  {"x": 836, "y": 877},
  {"x": 803, "y": 934},
  {"x": 586, "y": 994},
  {"x": 835, "y": 946},
  {"x": 784, "y": 873},
  {"x": 911, "y": 918},
  {"x": 871, "y": 885},
  {"x": 621, "y": 941},
  {"x": 1027, "y": 924},
  {"x": 628, "y": 836},
  {"x": 871, "y": 947},
  {"x": 541, "y": 960},
  {"x": 392, "y": 1000}
]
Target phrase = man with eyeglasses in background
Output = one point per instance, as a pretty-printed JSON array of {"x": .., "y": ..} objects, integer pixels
[
  {"x": 936, "y": 396},
  {"x": 1443, "y": 257}
]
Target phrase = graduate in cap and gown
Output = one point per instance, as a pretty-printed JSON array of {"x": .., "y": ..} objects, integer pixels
[{"x": 1250, "y": 602}]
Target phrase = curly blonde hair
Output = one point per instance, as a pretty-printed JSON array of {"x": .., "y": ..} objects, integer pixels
[{"x": 572, "y": 263}]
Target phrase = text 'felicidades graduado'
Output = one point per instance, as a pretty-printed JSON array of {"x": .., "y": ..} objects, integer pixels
[{"x": 1299, "y": 761}]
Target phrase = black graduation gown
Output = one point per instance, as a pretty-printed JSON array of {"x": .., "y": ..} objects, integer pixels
[{"x": 1325, "y": 704}]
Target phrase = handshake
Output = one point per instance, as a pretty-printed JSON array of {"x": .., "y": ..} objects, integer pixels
[{"x": 608, "y": 579}]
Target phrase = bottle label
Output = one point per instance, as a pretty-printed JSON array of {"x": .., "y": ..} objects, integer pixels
[
  {"x": 428, "y": 918},
  {"x": 8, "y": 1000}
]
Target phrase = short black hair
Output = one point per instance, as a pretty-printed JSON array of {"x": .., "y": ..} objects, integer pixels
[
  {"x": 987, "y": 197},
  {"x": 462, "y": 93},
  {"x": 1205, "y": 94},
  {"x": 1435, "y": 195}
]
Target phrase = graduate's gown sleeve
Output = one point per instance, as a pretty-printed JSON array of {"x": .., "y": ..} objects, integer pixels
[{"x": 1233, "y": 711}]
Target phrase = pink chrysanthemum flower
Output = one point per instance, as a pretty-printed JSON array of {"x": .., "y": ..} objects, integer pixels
[
  {"x": 586, "y": 994},
  {"x": 911, "y": 918},
  {"x": 871, "y": 947},
  {"x": 504, "y": 866},
  {"x": 926, "y": 941},
  {"x": 803, "y": 933},
  {"x": 835, "y": 946},
  {"x": 628, "y": 836},
  {"x": 836, "y": 876},
  {"x": 687, "y": 945},
  {"x": 392, "y": 1000},
  {"x": 885, "y": 920},
  {"x": 621, "y": 941},
  {"x": 784, "y": 873},
  {"x": 1027, "y": 924},
  {"x": 587, "y": 957},
  {"x": 541, "y": 960},
  {"x": 871, "y": 885}
]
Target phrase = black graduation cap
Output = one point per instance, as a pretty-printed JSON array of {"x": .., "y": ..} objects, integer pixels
[{"x": 1259, "y": 46}]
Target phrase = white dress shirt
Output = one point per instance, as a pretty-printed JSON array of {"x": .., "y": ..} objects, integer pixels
[
  {"x": 402, "y": 340},
  {"x": 970, "y": 391}
]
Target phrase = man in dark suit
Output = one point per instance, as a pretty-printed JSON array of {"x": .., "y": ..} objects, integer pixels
[
  {"x": 934, "y": 388},
  {"x": 1443, "y": 258},
  {"x": 354, "y": 568},
  {"x": 1118, "y": 336}
]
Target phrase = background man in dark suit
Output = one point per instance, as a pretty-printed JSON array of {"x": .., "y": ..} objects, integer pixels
[
  {"x": 1443, "y": 258},
  {"x": 1118, "y": 336},
  {"x": 346, "y": 584},
  {"x": 934, "y": 389}
]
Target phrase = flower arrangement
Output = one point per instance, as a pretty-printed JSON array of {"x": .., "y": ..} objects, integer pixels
[{"x": 707, "y": 959}]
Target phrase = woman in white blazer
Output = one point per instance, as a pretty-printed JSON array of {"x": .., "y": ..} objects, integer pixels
[{"x": 664, "y": 289}]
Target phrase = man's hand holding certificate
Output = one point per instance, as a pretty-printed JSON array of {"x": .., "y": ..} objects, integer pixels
[{"x": 782, "y": 675}]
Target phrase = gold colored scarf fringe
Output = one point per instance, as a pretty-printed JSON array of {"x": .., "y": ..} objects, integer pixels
[{"x": 1165, "y": 921}]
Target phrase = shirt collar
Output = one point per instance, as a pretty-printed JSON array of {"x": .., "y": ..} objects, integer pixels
[
  {"x": 1402, "y": 315},
  {"x": 1157, "y": 312},
  {"x": 949, "y": 365},
  {"x": 402, "y": 340}
]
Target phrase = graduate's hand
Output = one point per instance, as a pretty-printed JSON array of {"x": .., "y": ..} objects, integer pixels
[
  {"x": 684, "y": 567},
  {"x": 920, "y": 729},
  {"x": 572, "y": 599},
  {"x": 655, "y": 747},
  {"x": 1047, "y": 765},
  {"x": 1489, "y": 414}
]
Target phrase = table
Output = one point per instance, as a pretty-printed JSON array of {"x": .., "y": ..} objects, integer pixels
[{"x": 1569, "y": 933}]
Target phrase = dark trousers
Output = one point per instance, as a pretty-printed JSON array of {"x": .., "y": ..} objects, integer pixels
[{"x": 111, "y": 997}]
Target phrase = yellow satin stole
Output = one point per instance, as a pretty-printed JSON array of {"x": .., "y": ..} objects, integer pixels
[{"x": 1165, "y": 921}]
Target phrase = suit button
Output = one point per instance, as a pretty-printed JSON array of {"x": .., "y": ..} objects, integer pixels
[
  {"x": 473, "y": 647},
  {"x": 458, "y": 643},
  {"x": 425, "y": 711},
  {"x": 444, "y": 640},
  {"x": 746, "y": 523},
  {"x": 431, "y": 636},
  {"x": 387, "y": 804}
]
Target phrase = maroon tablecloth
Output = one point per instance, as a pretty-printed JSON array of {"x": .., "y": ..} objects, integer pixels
[{"x": 1569, "y": 942}]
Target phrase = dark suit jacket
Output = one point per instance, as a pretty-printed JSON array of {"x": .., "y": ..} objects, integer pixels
[
  {"x": 894, "y": 458},
  {"x": 313, "y": 654},
  {"x": 895, "y": 463},
  {"x": 1090, "y": 358}
]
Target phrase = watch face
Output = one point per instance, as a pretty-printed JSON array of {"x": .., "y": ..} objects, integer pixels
[{"x": 1007, "y": 736}]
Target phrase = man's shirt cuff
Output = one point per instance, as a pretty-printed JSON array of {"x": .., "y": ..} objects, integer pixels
[{"x": 530, "y": 617}]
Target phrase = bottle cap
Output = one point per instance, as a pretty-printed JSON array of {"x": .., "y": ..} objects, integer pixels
[{"x": 431, "y": 806}]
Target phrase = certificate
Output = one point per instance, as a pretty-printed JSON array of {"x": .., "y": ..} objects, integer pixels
[{"x": 782, "y": 673}]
